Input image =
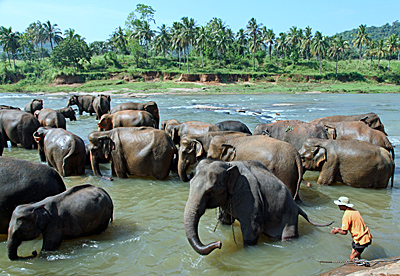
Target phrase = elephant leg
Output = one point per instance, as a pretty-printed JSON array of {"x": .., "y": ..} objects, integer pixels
[
  {"x": 119, "y": 168},
  {"x": 51, "y": 240},
  {"x": 250, "y": 231},
  {"x": 328, "y": 174}
]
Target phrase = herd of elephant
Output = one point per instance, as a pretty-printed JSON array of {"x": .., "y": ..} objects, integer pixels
[{"x": 252, "y": 177}]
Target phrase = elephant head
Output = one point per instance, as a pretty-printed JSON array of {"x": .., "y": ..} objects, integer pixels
[
  {"x": 171, "y": 127},
  {"x": 105, "y": 122},
  {"x": 209, "y": 188},
  {"x": 330, "y": 131},
  {"x": 73, "y": 100},
  {"x": 27, "y": 223},
  {"x": 69, "y": 113},
  {"x": 190, "y": 151},
  {"x": 39, "y": 136},
  {"x": 101, "y": 147},
  {"x": 221, "y": 150},
  {"x": 373, "y": 121},
  {"x": 313, "y": 154},
  {"x": 152, "y": 108}
]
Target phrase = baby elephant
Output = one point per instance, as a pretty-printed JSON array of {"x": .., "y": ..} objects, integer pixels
[{"x": 83, "y": 210}]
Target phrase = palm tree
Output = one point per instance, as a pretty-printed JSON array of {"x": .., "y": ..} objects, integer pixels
[
  {"x": 294, "y": 38},
  {"x": 10, "y": 42},
  {"x": 306, "y": 42},
  {"x": 188, "y": 34},
  {"x": 202, "y": 41},
  {"x": 176, "y": 39},
  {"x": 118, "y": 38},
  {"x": 361, "y": 38},
  {"x": 379, "y": 50},
  {"x": 269, "y": 39},
  {"x": 221, "y": 43},
  {"x": 254, "y": 32},
  {"x": 144, "y": 34},
  {"x": 392, "y": 45},
  {"x": 318, "y": 47},
  {"x": 51, "y": 33},
  {"x": 162, "y": 40},
  {"x": 281, "y": 44},
  {"x": 241, "y": 40},
  {"x": 70, "y": 33},
  {"x": 335, "y": 49}
]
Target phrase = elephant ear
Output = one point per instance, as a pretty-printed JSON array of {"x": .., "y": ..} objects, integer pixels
[
  {"x": 319, "y": 154},
  {"x": 175, "y": 134},
  {"x": 234, "y": 174},
  {"x": 108, "y": 147},
  {"x": 199, "y": 149},
  {"x": 266, "y": 132},
  {"x": 331, "y": 131},
  {"x": 41, "y": 217},
  {"x": 228, "y": 152}
]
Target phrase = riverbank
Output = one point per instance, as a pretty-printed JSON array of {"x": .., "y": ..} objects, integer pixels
[{"x": 115, "y": 87}]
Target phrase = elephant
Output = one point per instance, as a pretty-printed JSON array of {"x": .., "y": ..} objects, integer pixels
[
  {"x": 82, "y": 210},
  {"x": 35, "y": 104},
  {"x": 194, "y": 147},
  {"x": 84, "y": 103},
  {"x": 355, "y": 163},
  {"x": 2, "y": 106},
  {"x": 358, "y": 130},
  {"x": 234, "y": 126},
  {"x": 370, "y": 119},
  {"x": 18, "y": 127},
  {"x": 51, "y": 118},
  {"x": 126, "y": 118},
  {"x": 67, "y": 112},
  {"x": 246, "y": 191},
  {"x": 177, "y": 130},
  {"x": 101, "y": 105},
  {"x": 280, "y": 157},
  {"x": 139, "y": 151},
  {"x": 2, "y": 144},
  {"x": 62, "y": 150},
  {"x": 150, "y": 107},
  {"x": 294, "y": 132},
  {"x": 23, "y": 182}
]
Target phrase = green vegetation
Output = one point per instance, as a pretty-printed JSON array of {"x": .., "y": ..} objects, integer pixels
[{"x": 295, "y": 61}]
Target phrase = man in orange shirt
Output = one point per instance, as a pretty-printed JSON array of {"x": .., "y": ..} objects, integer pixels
[{"x": 354, "y": 223}]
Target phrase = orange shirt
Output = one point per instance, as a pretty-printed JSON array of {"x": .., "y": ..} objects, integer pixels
[{"x": 354, "y": 223}]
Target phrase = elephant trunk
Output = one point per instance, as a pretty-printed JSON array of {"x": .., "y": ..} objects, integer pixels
[
  {"x": 191, "y": 220},
  {"x": 182, "y": 167},
  {"x": 95, "y": 165},
  {"x": 12, "y": 248}
]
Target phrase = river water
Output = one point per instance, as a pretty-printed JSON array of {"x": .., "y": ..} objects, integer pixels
[{"x": 147, "y": 235}]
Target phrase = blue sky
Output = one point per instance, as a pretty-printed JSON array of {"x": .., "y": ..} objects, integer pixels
[{"x": 97, "y": 19}]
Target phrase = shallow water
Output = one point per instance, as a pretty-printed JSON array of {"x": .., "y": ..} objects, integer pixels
[{"x": 147, "y": 234}]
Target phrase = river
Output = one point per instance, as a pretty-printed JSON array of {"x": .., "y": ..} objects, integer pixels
[{"x": 147, "y": 236}]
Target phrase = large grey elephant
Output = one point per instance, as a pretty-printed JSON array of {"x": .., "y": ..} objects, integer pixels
[
  {"x": 177, "y": 130},
  {"x": 149, "y": 106},
  {"x": 18, "y": 127},
  {"x": 35, "y": 104},
  {"x": 280, "y": 157},
  {"x": 84, "y": 103},
  {"x": 194, "y": 147},
  {"x": 51, "y": 118},
  {"x": 294, "y": 132},
  {"x": 352, "y": 162},
  {"x": 246, "y": 191},
  {"x": 23, "y": 182},
  {"x": 126, "y": 118},
  {"x": 101, "y": 105},
  {"x": 370, "y": 119},
  {"x": 67, "y": 112},
  {"x": 233, "y": 126},
  {"x": 82, "y": 210},
  {"x": 139, "y": 151},
  {"x": 62, "y": 150},
  {"x": 360, "y": 131}
]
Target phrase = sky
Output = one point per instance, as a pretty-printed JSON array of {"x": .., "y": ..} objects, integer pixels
[{"x": 96, "y": 20}]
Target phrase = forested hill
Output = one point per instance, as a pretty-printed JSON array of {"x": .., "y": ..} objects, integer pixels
[{"x": 375, "y": 33}]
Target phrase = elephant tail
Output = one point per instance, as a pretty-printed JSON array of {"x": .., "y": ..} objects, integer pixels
[
  {"x": 304, "y": 215},
  {"x": 392, "y": 180},
  {"x": 69, "y": 154},
  {"x": 300, "y": 171}
]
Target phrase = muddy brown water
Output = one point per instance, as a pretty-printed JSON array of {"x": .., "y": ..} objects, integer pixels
[{"x": 147, "y": 235}]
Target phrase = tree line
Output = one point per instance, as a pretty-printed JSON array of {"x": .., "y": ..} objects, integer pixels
[{"x": 185, "y": 39}]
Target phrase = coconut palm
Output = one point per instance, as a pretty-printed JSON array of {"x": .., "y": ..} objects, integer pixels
[
  {"x": 221, "y": 43},
  {"x": 176, "y": 39},
  {"x": 162, "y": 40},
  {"x": 392, "y": 45},
  {"x": 380, "y": 50},
  {"x": 254, "y": 32},
  {"x": 241, "y": 40},
  {"x": 10, "y": 42},
  {"x": 51, "y": 33},
  {"x": 293, "y": 39},
  {"x": 318, "y": 47},
  {"x": 281, "y": 44},
  {"x": 305, "y": 44},
  {"x": 269, "y": 39},
  {"x": 361, "y": 38},
  {"x": 144, "y": 34},
  {"x": 202, "y": 41},
  {"x": 118, "y": 38},
  {"x": 188, "y": 34}
]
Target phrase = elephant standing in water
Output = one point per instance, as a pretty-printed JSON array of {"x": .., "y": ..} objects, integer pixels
[
  {"x": 67, "y": 112},
  {"x": 62, "y": 150},
  {"x": 101, "y": 105},
  {"x": 22, "y": 182},
  {"x": 18, "y": 127},
  {"x": 233, "y": 126},
  {"x": 352, "y": 162},
  {"x": 83, "y": 210},
  {"x": 150, "y": 107},
  {"x": 370, "y": 119},
  {"x": 280, "y": 157},
  {"x": 36, "y": 104},
  {"x": 139, "y": 151},
  {"x": 126, "y": 118},
  {"x": 84, "y": 103},
  {"x": 246, "y": 191},
  {"x": 51, "y": 118}
]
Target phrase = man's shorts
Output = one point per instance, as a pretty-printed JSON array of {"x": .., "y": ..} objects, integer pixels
[{"x": 358, "y": 247}]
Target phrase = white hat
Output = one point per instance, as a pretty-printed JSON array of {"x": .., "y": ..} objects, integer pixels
[{"x": 343, "y": 201}]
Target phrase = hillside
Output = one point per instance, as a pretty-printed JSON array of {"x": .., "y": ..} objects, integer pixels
[{"x": 375, "y": 32}]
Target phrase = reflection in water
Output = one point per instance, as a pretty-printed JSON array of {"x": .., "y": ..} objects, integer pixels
[{"x": 147, "y": 235}]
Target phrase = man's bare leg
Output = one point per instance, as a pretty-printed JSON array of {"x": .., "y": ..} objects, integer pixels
[{"x": 354, "y": 254}]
